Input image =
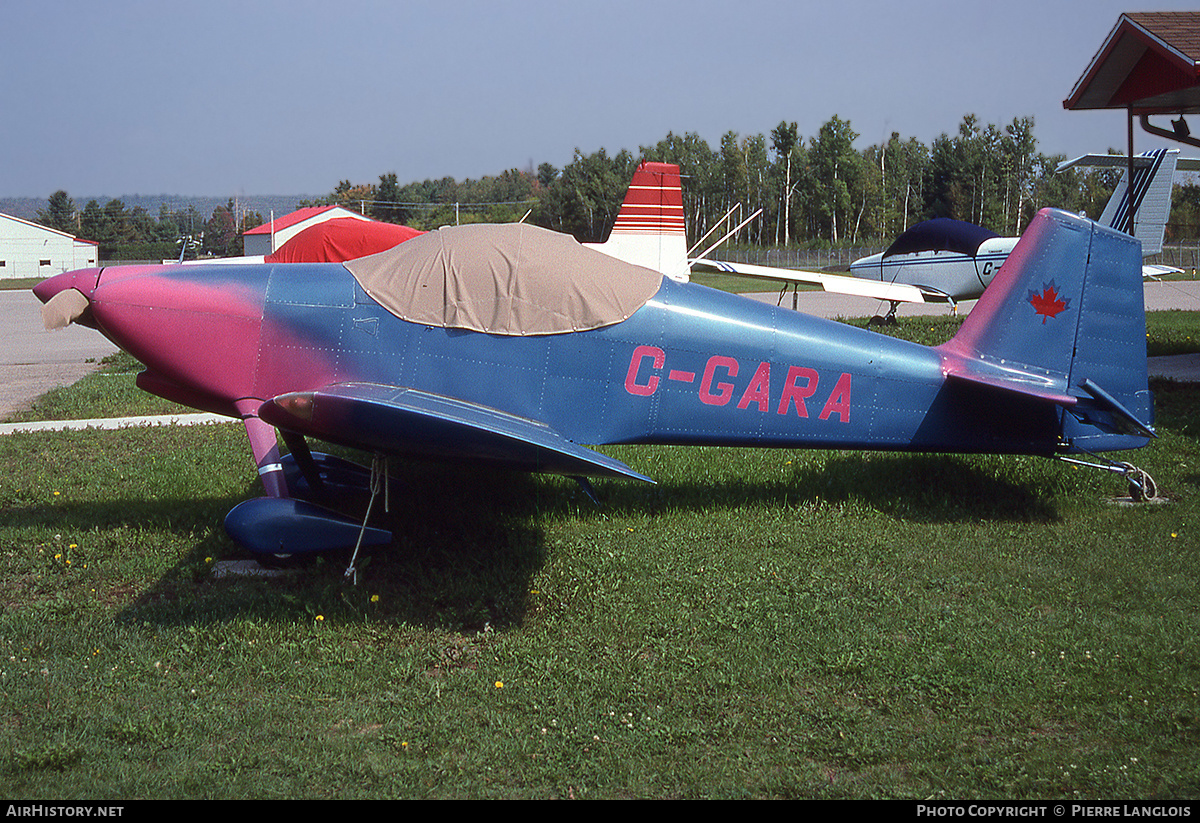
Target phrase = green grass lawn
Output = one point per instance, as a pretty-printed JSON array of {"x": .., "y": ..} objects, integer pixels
[
  {"x": 19, "y": 283},
  {"x": 759, "y": 624}
]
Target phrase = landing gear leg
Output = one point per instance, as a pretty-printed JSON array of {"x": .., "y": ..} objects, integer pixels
[
  {"x": 379, "y": 482},
  {"x": 298, "y": 447},
  {"x": 888, "y": 319}
]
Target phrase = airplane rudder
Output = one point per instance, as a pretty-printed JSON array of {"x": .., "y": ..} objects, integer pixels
[
  {"x": 654, "y": 199},
  {"x": 1153, "y": 209},
  {"x": 1110, "y": 348},
  {"x": 1028, "y": 316}
]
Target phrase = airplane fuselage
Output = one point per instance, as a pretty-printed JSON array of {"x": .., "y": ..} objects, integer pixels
[
  {"x": 959, "y": 276},
  {"x": 692, "y": 366}
]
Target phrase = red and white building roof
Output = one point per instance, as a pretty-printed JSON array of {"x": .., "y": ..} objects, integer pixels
[{"x": 265, "y": 239}]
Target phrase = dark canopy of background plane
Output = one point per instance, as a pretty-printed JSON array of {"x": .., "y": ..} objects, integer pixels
[{"x": 941, "y": 234}]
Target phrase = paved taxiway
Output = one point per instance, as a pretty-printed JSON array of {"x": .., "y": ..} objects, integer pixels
[{"x": 34, "y": 361}]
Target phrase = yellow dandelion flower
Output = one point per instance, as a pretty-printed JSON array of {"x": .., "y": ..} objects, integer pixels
[
  {"x": 374, "y": 598},
  {"x": 499, "y": 684},
  {"x": 320, "y": 617}
]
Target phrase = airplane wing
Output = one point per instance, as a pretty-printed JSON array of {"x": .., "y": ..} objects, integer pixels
[
  {"x": 400, "y": 420},
  {"x": 1152, "y": 271},
  {"x": 1121, "y": 161},
  {"x": 836, "y": 283}
]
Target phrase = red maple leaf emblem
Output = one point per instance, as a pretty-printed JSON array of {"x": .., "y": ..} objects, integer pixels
[{"x": 1048, "y": 304}]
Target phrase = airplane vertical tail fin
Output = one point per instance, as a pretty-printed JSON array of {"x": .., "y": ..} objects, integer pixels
[
  {"x": 1149, "y": 197},
  {"x": 1064, "y": 321},
  {"x": 649, "y": 230}
]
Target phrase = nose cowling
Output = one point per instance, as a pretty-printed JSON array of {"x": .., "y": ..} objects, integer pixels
[
  {"x": 66, "y": 298},
  {"x": 192, "y": 327},
  {"x": 82, "y": 280}
]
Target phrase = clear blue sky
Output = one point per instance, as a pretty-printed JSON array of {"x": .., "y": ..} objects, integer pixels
[{"x": 223, "y": 98}]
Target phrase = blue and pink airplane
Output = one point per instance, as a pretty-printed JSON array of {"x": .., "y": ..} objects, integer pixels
[{"x": 514, "y": 346}]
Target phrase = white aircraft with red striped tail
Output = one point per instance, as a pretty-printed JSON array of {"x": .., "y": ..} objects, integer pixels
[{"x": 649, "y": 230}]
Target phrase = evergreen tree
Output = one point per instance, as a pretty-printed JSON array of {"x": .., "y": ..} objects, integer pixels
[
  {"x": 60, "y": 213},
  {"x": 387, "y": 200}
]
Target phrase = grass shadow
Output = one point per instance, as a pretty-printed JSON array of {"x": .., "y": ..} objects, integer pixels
[
  {"x": 466, "y": 546},
  {"x": 916, "y": 487}
]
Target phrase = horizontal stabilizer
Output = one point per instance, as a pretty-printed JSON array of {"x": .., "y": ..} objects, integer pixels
[
  {"x": 1016, "y": 382},
  {"x": 1152, "y": 271},
  {"x": 1121, "y": 161},
  {"x": 399, "y": 420}
]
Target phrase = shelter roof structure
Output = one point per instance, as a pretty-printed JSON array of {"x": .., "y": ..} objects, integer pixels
[{"x": 1149, "y": 64}]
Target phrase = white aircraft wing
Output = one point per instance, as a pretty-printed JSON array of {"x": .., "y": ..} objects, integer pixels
[
  {"x": 836, "y": 283},
  {"x": 1121, "y": 161},
  {"x": 1153, "y": 272}
]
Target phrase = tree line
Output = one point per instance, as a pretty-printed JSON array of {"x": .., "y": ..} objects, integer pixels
[
  {"x": 125, "y": 233},
  {"x": 822, "y": 190},
  {"x": 812, "y": 191}
]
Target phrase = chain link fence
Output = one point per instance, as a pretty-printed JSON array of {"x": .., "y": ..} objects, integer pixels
[
  {"x": 1184, "y": 255},
  {"x": 809, "y": 259}
]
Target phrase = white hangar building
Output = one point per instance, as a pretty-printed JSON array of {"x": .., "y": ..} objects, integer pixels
[{"x": 31, "y": 250}]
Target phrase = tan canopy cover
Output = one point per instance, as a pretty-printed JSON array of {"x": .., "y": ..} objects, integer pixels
[{"x": 511, "y": 278}]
